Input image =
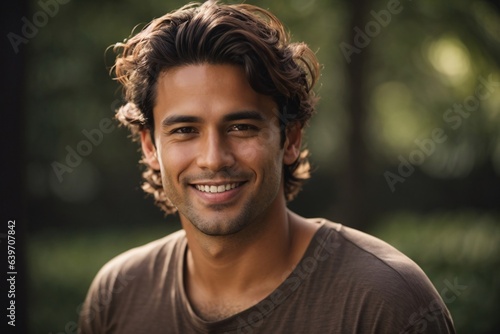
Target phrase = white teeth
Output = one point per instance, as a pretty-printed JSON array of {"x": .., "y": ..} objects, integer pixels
[{"x": 216, "y": 189}]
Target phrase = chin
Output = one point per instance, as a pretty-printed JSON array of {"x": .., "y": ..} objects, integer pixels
[{"x": 219, "y": 224}]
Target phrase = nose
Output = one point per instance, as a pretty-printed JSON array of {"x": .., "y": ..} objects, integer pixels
[{"x": 215, "y": 152}]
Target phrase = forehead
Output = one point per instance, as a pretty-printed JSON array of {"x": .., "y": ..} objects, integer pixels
[{"x": 208, "y": 90}]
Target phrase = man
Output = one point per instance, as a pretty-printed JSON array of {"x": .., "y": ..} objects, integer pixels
[{"x": 218, "y": 97}]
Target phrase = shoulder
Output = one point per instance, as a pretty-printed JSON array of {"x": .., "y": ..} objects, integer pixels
[
  {"x": 374, "y": 261},
  {"x": 143, "y": 259},
  {"x": 364, "y": 252},
  {"x": 380, "y": 282},
  {"x": 129, "y": 276},
  {"x": 138, "y": 264}
]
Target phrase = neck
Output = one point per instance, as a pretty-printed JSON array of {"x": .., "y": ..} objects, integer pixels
[
  {"x": 225, "y": 275},
  {"x": 251, "y": 259}
]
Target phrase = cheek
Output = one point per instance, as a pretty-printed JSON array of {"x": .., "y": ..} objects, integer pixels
[
  {"x": 263, "y": 150},
  {"x": 173, "y": 160}
]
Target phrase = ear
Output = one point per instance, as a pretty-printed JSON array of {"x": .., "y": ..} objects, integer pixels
[
  {"x": 149, "y": 150},
  {"x": 293, "y": 141}
]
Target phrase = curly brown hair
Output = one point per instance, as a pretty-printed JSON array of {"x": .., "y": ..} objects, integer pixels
[{"x": 215, "y": 33}]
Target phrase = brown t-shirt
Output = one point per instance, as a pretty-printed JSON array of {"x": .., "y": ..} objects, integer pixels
[{"x": 346, "y": 282}]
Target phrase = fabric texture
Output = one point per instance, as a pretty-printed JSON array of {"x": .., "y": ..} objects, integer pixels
[{"x": 346, "y": 282}]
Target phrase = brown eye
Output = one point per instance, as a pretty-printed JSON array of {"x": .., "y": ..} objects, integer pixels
[
  {"x": 184, "y": 130},
  {"x": 243, "y": 127}
]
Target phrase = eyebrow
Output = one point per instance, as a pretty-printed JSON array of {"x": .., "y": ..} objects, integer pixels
[
  {"x": 175, "y": 119},
  {"x": 239, "y": 115},
  {"x": 245, "y": 114}
]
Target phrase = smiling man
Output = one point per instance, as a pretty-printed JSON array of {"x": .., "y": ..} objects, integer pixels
[{"x": 219, "y": 97}]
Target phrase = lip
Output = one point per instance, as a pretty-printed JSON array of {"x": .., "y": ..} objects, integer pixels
[{"x": 225, "y": 197}]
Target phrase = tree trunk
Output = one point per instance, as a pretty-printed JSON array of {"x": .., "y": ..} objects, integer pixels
[{"x": 353, "y": 209}]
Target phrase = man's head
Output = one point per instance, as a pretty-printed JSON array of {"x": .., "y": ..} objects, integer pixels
[{"x": 243, "y": 36}]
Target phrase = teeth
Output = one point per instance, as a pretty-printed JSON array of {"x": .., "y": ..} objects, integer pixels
[{"x": 216, "y": 189}]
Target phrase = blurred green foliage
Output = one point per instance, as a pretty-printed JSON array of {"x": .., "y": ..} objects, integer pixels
[
  {"x": 431, "y": 56},
  {"x": 63, "y": 264}
]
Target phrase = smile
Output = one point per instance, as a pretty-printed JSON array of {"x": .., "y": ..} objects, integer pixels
[{"x": 217, "y": 189}]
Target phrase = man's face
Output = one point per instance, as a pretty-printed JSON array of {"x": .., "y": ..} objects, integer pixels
[{"x": 217, "y": 147}]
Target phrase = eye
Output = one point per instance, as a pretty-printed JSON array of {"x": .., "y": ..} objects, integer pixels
[
  {"x": 183, "y": 130},
  {"x": 243, "y": 127}
]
